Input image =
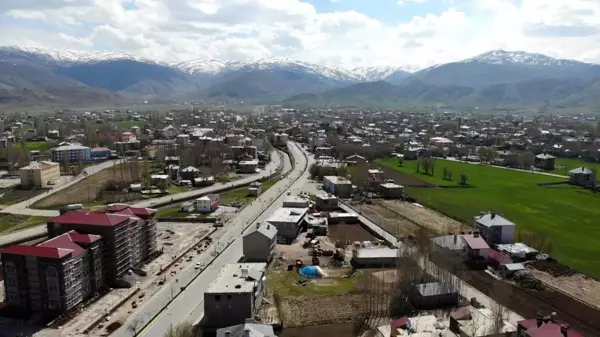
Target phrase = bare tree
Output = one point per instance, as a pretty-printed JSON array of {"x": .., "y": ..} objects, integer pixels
[
  {"x": 182, "y": 330},
  {"x": 134, "y": 326},
  {"x": 501, "y": 290}
]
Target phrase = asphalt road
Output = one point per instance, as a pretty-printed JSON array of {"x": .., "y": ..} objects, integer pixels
[
  {"x": 22, "y": 207},
  {"x": 188, "y": 304}
]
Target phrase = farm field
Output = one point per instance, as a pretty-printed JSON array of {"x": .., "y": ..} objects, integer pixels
[
  {"x": 564, "y": 213},
  {"x": 125, "y": 125},
  {"x": 12, "y": 222},
  {"x": 567, "y": 164}
]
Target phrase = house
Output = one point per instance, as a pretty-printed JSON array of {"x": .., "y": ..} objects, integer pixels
[
  {"x": 545, "y": 326},
  {"x": 53, "y": 134},
  {"x": 478, "y": 322},
  {"x": 476, "y": 246},
  {"x": 189, "y": 173},
  {"x": 235, "y": 295},
  {"x": 248, "y": 166},
  {"x": 420, "y": 326},
  {"x": 338, "y": 186},
  {"x": 433, "y": 295},
  {"x": 254, "y": 189},
  {"x": 545, "y": 161},
  {"x": 247, "y": 330},
  {"x": 295, "y": 202},
  {"x": 355, "y": 159},
  {"x": 160, "y": 179},
  {"x": 172, "y": 160},
  {"x": 280, "y": 139},
  {"x": 374, "y": 257},
  {"x": 187, "y": 207},
  {"x": 39, "y": 174},
  {"x": 259, "y": 245},
  {"x": 582, "y": 176},
  {"x": 391, "y": 190},
  {"x": 326, "y": 202},
  {"x": 495, "y": 229},
  {"x": 509, "y": 269},
  {"x": 54, "y": 276},
  {"x": 207, "y": 204},
  {"x": 287, "y": 221},
  {"x": 71, "y": 153},
  {"x": 100, "y": 153}
]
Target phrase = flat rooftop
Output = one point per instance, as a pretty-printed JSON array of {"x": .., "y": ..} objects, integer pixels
[
  {"x": 237, "y": 278},
  {"x": 288, "y": 214}
]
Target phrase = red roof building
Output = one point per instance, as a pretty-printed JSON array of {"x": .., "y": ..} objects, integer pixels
[
  {"x": 37, "y": 251},
  {"x": 545, "y": 326},
  {"x": 90, "y": 219}
]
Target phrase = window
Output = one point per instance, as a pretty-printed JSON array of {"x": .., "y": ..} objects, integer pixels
[
  {"x": 9, "y": 267},
  {"x": 217, "y": 297},
  {"x": 51, "y": 272},
  {"x": 228, "y": 297}
]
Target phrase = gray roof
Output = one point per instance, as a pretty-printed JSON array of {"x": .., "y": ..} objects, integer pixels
[
  {"x": 436, "y": 288},
  {"x": 254, "y": 330},
  {"x": 545, "y": 156},
  {"x": 267, "y": 230},
  {"x": 580, "y": 170},
  {"x": 488, "y": 221}
]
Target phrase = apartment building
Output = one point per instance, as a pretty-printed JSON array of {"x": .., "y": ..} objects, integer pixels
[
  {"x": 54, "y": 276},
  {"x": 39, "y": 174},
  {"x": 129, "y": 234},
  {"x": 235, "y": 295},
  {"x": 73, "y": 153}
]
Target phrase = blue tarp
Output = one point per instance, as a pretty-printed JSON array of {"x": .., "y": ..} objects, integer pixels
[{"x": 309, "y": 271}]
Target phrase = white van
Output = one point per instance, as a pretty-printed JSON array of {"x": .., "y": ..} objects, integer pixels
[{"x": 74, "y": 207}]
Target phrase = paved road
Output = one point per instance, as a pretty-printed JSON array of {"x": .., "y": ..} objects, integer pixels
[
  {"x": 188, "y": 304},
  {"x": 37, "y": 231}
]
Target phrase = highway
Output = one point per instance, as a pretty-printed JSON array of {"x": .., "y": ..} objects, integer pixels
[
  {"x": 188, "y": 304},
  {"x": 38, "y": 231}
]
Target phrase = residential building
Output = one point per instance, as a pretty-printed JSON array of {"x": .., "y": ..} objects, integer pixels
[
  {"x": 123, "y": 148},
  {"x": 189, "y": 173},
  {"x": 434, "y": 295},
  {"x": 100, "y": 153},
  {"x": 478, "y": 322},
  {"x": 495, "y": 229},
  {"x": 287, "y": 221},
  {"x": 235, "y": 295},
  {"x": 129, "y": 234},
  {"x": 72, "y": 153},
  {"x": 128, "y": 137},
  {"x": 582, "y": 176},
  {"x": 280, "y": 139},
  {"x": 545, "y": 161},
  {"x": 338, "y": 186},
  {"x": 39, "y": 174},
  {"x": 259, "y": 245},
  {"x": 183, "y": 140},
  {"x": 391, "y": 190},
  {"x": 545, "y": 326},
  {"x": 254, "y": 189},
  {"x": 187, "y": 206},
  {"x": 207, "y": 204},
  {"x": 248, "y": 166},
  {"x": 295, "y": 202},
  {"x": 326, "y": 202},
  {"x": 55, "y": 276},
  {"x": 247, "y": 330}
]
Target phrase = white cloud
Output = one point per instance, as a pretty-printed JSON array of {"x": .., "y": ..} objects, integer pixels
[
  {"x": 404, "y": 2},
  {"x": 176, "y": 30}
]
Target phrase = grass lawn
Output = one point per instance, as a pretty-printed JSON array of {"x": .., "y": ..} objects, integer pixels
[
  {"x": 37, "y": 146},
  {"x": 174, "y": 189},
  {"x": 12, "y": 222},
  {"x": 566, "y": 214},
  {"x": 173, "y": 212},
  {"x": 125, "y": 125},
  {"x": 566, "y": 164},
  {"x": 284, "y": 284}
]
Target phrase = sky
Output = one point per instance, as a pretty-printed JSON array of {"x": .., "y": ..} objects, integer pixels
[{"x": 349, "y": 33}]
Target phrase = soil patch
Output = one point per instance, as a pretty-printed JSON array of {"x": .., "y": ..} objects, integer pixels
[
  {"x": 433, "y": 221},
  {"x": 387, "y": 219},
  {"x": 349, "y": 233},
  {"x": 313, "y": 310},
  {"x": 323, "y": 330}
]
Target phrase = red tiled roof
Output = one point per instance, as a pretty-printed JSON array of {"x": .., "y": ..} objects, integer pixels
[
  {"x": 116, "y": 207},
  {"x": 45, "y": 252},
  {"x": 83, "y": 238},
  {"x": 142, "y": 211},
  {"x": 63, "y": 241},
  {"x": 94, "y": 219},
  {"x": 551, "y": 330},
  {"x": 475, "y": 242},
  {"x": 400, "y": 322},
  {"x": 461, "y": 313}
]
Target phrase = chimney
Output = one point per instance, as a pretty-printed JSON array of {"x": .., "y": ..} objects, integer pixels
[
  {"x": 564, "y": 329},
  {"x": 268, "y": 226},
  {"x": 455, "y": 238},
  {"x": 539, "y": 320},
  {"x": 475, "y": 234},
  {"x": 227, "y": 333},
  {"x": 553, "y": 317},
  {"x": 493, "y": 215}
]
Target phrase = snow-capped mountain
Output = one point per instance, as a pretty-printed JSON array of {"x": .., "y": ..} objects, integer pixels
[
  {"x": 520, "y": 57},
  {"x": 68, "y": 57}
]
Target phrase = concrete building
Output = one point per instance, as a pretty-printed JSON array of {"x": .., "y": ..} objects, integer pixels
[
  {"x": 100, "y": 152},
  {"x": 338, "y": 186},
  {"x": 247, "y": 330},
  {"x": 280, "y": 139},
  {"x": 254, "y": 189},
  {"x": 259, "y": 245},
  {"x": 287, "y": 221},
  {"x": 295, "y": 202},
  {"x": 374, "y": 257},
  {"x": 434, "y": 295},
  {"x": 235, "y": 295},
  {"x": 128, "y": 233},
  {"x": 248, "y": 166},
  {"x": 495, "y": 229},
  {"x": 326, "y": 202},
  {"x": 391, "y": 190},
  {"x": 72, "y": 153},
  {"x": 38, "y": 174},
  {"x": 207, "y": 204},
  {"x": 55, "y": 276}
]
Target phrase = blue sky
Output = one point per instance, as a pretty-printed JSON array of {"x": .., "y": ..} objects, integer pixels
[{"x": 414, "y": 33}]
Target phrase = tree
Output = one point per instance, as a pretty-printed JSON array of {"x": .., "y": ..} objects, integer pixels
[
  {"x": 399, "y": 148},
  {"x": 445, "y": 173},
  {"x": 527, "y": 159},
  {"x": 134, "y": 326},
  {"x": 182, "y": 330},
  {"x": 463, "y": 178},
  {"x": 501, "y": 290},
  {"x": 400, "y": 161}
]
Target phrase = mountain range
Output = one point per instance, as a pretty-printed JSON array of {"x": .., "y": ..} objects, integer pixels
[{"x": 34, "y": 76}]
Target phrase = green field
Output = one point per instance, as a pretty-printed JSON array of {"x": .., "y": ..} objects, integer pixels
[
  {"x": 566, "y": 164},
  {"x": 566, "y": 214},
  {"x": 125, "y": 125},
  {"x": 11, "y": 222}
]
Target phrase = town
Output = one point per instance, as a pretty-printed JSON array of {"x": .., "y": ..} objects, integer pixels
[{"x": 292, "y": 222}]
